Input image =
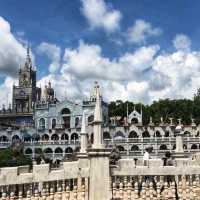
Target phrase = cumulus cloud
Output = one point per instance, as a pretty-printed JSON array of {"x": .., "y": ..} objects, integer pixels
[
  {"x": 87, "y": 61},
  {"x": 141, "y": 31},
  {"x": 53, "y": 52},
  {"x": 100, "y": 15},
  {"x": 12, "y": 52},
  {"x": 182, "y": 42},
  {"x": 6, "y": 92}
]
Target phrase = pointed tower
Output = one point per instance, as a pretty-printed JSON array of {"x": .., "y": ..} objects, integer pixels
[
  {"x": 97, "y": 124},
  {"x": 84, "y": 142},
  {"x": 99, "y": 158},
  {"x": 24, "y": 95}
]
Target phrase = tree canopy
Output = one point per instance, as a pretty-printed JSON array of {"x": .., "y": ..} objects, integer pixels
[{"x": 185, "y": 109}]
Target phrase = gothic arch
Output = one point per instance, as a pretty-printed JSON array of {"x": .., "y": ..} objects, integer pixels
[
  {"x": 120, "y": 148},
  {"x": 55, "y": 137},
  {"x": 163, "y": 147},
  {"x": 145, "y": 134},
  {"x": 133, "y": 134},
  {"x": 15, "y": 138},
  {"x": 45, "y": 137},
  {"x": 68, "y": 150},
  {"x": 119, "y": 135},
  {"x": 48, "y": 150},
  {"x": 135, "y": 148},
  {"x": 3, "y": 138},
  {"x": 106, "y": 135},
  {"x": 74, "y": 137},
  {"x": 65, "y": 111},
  {"x": 158, "y": 134},
  {"x": 28, "y": 151},
  {"x": 194, "y": 146},
  {"x": 58, "y": 150},
  {"x": 42, "y": 123},
  {"x": 64, "y": 136}
]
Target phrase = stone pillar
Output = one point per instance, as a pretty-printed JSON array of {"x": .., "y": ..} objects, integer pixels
[
  {"x": 99, "y": 187},
  {"x": 99, "y": 175},
  {"x": 179, "y": 144}
]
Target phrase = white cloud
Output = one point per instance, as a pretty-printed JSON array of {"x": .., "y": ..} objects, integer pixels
[
  {"x": 87, "y": 61},
  {"x": 141, "y": 31},
  {"x": 182, "y": 42},
  {"x": 6, "y": 92},
  {"x": 100, "y": 15},
  {"x": 53, "y": 52},
  {"x": 12, "y": 53}
]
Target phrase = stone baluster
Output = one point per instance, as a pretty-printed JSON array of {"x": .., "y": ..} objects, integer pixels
[
  {"x": 143, "y": 192},
  {"x": 121, "y": 193},
  {"x": 59, "y": 194},
  {"x": 51, "y": 196},
  {"x": 158, "y": 190},
  {"x": 151, "y": 191},
  {"x": 165, "y": 191},
  {"x": 20, "y": 197},
  {"x": 47, "y": 189},
  {"x": 136, "y": 196},
  {"x": 173, "y": 190},
  {"x": 63, "y": 185},
  {"x": 67, "y": 194},
  {"x": 83, "y": 192},
  {"x": 44, "y": 194},
  {"x": 129, "y": 190},
  {"x": 12, "y": 196},
  {"x": 125, "y": 187},
  {"x": 28, "y": 195},
  {"x": 187, "y": 190},
  {"x": 75, "y": 193},
  {"x": 180, "y": 189},
  {"x": 36, "y": 195},
  {"x": 4, "y": 196},
  {"x": 194, "y": 190},
  {"x": 114, "y": 190}
]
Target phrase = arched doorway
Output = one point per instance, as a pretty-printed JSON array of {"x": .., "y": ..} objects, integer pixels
[{"x": 66, "y": 117}]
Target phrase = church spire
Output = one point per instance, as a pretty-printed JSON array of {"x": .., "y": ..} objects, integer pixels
[
  {"x": 28, "y": 63},
  {"x": 98, "y": 143}
]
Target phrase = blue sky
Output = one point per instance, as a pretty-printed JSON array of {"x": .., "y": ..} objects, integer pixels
[{"x": 140, "y": 50}]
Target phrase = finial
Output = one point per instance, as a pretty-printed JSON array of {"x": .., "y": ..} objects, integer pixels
[{"x": 179, "y": 121}]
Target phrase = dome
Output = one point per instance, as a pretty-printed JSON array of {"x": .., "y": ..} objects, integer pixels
[{"x": 178, "y": 128}]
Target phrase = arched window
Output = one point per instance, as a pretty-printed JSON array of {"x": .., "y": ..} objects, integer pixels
[
  {"x": 48, "y": 150},
  {"x": 15, "y": 138},
  {"x": 167, "y": 134},
  {"x": 186, "y": 133},
  {"x": 74, "y": 137},
  {"x": 134, "y": 120},
  {"x": 157, "y": 134},
  {"x": 120, "y": 148},
  {"x": 119, "y": 135},
  {"x": 133, "y": 134},
  {"x": 58, "y": 150},
  {"x": 53, "y": 123},
  {"x": 45, "y": 137},
  {"x": 65, "y": 111},
  {"x": 135, "y": 148},
  {"x": 76, "y": 121},
  {"x": 66, "y": 117},
  {"x": 106, "y": 135},
  {"x": 90, "y": 118},
  {"x": 55, "y": 137},
  {"x": 194, "y": 146},
  {"x": 69, "y": 150},
  {"x": 64, "y": 136},
  {"x": 42, "y": 124},
  {"x": 28, "y": 151},
  {"x": 163, "y": 147},
  {"x": 145, "y": 134},
  {"x": 3, "y": 138}
]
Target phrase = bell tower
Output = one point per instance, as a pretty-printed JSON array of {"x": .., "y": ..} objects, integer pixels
[{"x": 24, "y": 95}]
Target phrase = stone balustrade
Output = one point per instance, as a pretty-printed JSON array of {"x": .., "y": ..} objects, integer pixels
[{"x": 186, "y": 187}]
